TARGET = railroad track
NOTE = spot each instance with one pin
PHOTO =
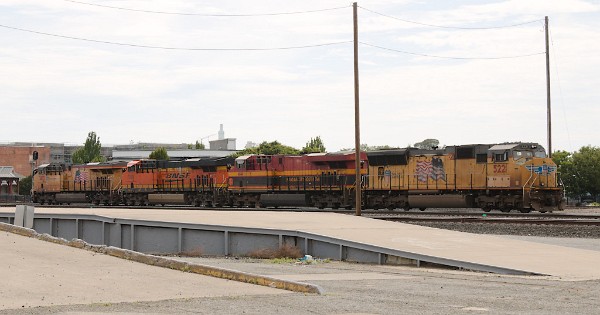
(565, 219)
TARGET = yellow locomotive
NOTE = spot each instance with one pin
(502, 176)
(87, 183)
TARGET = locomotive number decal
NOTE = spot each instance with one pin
(178, 176)
(499, 168)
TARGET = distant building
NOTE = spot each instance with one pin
(128, 155)
(19, 154)
(141, 146)
(222, 143)
(225, 144)
(9, 181)
(20, 158)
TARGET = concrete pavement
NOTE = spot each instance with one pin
(38, 273)
(562, 262)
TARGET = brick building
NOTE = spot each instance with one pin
(20, 158)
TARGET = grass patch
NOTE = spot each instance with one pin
(196, 252)
(285, 251)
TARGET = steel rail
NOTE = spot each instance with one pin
(569, 221)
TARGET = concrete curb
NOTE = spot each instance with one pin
(170, 263)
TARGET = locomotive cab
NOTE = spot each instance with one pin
(526, 167)
(47, 180)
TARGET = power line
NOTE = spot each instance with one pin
(206, 14)
(562, 100)
(447, 57)
(451, 27)
(173, 48)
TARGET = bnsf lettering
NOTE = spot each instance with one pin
(178, 176)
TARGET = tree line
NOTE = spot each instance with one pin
(580, 172)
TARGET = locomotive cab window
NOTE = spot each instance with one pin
(501, 157)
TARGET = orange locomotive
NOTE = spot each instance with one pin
(319, 179)
(192, 182)
(89, 183)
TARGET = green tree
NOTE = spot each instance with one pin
(561, 157)
(159, 154)
(90, 152)
(269, 148)
(580, 171)
(314, 146)
(200, 145)
(365, 147)
(586, 167)
(427, 144)
(25, 185)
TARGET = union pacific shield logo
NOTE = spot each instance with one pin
(541, 169)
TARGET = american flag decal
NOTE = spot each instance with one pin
(433, 169)
(81, 176)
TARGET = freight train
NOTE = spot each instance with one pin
(507, 176)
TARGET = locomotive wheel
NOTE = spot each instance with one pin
(422, 209)
(525, 210)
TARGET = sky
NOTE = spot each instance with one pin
(61, 77)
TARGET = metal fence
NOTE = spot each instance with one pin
(14, 199)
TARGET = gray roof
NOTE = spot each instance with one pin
(507, 146)
(9, 172)
(144, 154)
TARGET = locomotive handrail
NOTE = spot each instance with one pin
(118, 185)
(527, 181)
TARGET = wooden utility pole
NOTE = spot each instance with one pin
(356, 114)
(548, 92)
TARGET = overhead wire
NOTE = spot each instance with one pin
(173, 48)
(562, 101)
(450, 27)
(207, 14)
(273, 48)
(449, 57)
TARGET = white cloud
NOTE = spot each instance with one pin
(66, 88)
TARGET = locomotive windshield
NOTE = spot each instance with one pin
(522, 154)
(518, 151)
